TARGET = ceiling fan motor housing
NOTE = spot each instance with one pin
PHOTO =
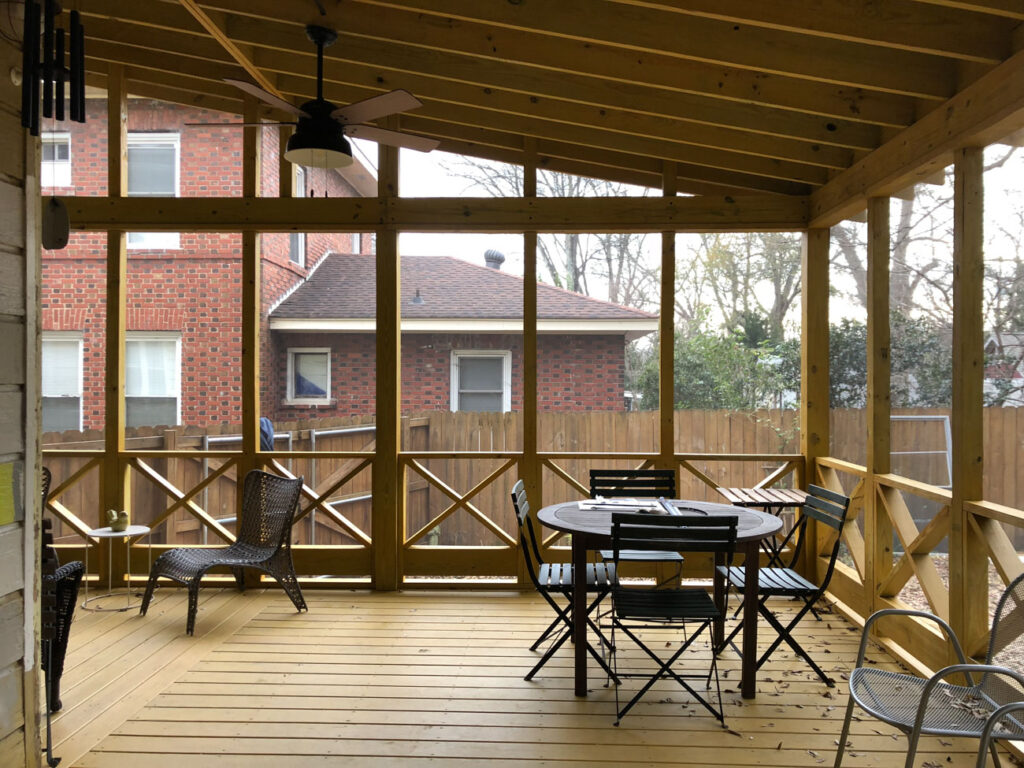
(319, 140)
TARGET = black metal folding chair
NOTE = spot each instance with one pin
(828, 508)
(643, 607)
(556, 579)
(640, 484)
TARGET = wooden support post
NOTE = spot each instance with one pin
(251, 308)
(877, 525)
(115, 483)
(968, 558)
(814, 367)
(530, 470)
(388, 480)
(666, 333)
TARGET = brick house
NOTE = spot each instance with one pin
(184, 310)
(461, 341)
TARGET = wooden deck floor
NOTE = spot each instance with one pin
(417, 678)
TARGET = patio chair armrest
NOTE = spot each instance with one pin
(948, 630)
(993, 720)
(967, 669)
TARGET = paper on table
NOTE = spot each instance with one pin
(645, 505)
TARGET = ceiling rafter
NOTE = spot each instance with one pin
(408, 33)
(900, 24)
(710, 40)
(242, 58)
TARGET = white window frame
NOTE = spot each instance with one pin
(506, 374)
(290, 397)
(56, 173)
(72, 336)
(163, 241)
(298, 190)
(164, 336)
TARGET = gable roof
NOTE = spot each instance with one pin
(457, 296)
(722, 96)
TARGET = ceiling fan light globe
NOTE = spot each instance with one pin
(318, 148)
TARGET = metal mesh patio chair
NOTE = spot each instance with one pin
(989, 707)
(645, 607)
(556, 579)
(640, 484)
(264, 543)
(828, 508)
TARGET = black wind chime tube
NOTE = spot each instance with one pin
(30, 69)
(77, 66)
(61, 75)
(48, 19)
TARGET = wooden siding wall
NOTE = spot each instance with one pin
(18, 257)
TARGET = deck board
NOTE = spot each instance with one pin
(425, 678)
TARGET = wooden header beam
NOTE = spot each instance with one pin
(602, 214)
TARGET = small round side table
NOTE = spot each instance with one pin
(127, 534)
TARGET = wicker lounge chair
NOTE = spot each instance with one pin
(264, 543)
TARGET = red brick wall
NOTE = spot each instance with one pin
(194, 290)
(574, 372)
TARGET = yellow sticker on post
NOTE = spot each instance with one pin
(11, 494)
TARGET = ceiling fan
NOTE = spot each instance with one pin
(319, 139)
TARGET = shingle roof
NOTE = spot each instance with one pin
(344, 286)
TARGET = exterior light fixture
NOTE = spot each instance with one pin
(417, 299)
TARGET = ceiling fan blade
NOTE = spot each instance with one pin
(376, 106)
(392, 138)
(266, 96)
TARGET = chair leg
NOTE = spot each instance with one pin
(785, 635)
(239, 574)
(845, 734)
(193, 604)
(150, 586)
(548, 654)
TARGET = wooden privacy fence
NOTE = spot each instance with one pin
(431, 481)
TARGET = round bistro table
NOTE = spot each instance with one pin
(591, 530)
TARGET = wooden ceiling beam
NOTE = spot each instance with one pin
(900, 24)
(409, 33)
(214, 26)
(821, 150)
(1009, 9)
(715, 41)
(986, 111)
(593, 214)
(744, 183)
(590, 140)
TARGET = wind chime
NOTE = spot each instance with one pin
(48, 78)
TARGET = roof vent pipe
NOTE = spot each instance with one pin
(494, 259)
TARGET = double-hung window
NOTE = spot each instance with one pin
(309, 375)
(153, 160)
(297, 240)
(481, 380)
(55, 170)
(62, 381)
(152, 374)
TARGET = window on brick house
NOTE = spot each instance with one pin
(309, 375)
(153, 172)
(56, 160)
(62, 382)
(152, 373)
(481, 381)
(297, 240)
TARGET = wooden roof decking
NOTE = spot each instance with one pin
(402, 679)
(836, 99)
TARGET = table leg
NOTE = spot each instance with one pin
(750, 597)
(579, 612)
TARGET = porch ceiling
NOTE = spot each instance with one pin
(729, 96)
